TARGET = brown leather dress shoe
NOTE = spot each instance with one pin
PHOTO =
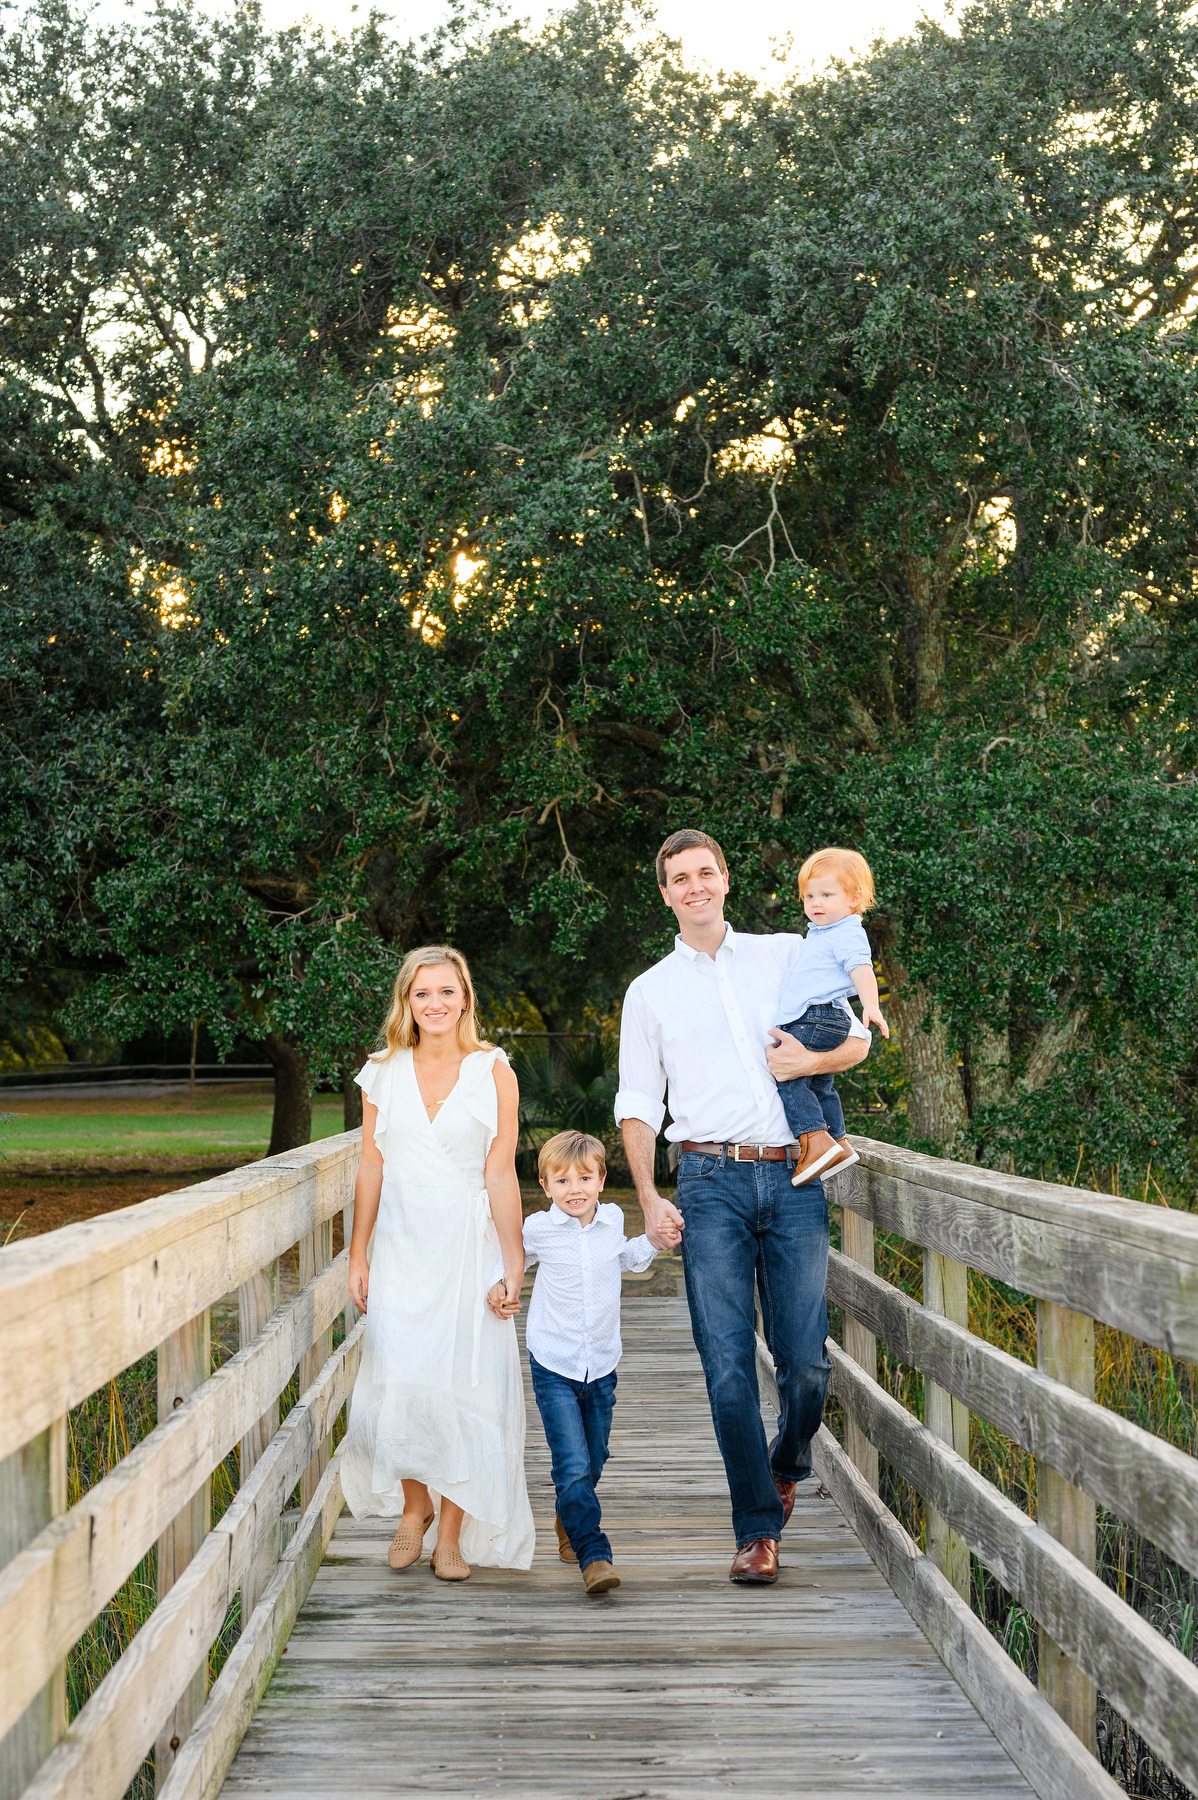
(600, 1578)
(564, 1548)
(756, 1563)
(786, 1493)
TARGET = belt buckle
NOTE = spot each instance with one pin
(736, 1152)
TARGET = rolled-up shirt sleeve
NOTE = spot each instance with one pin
(636, 1254)
(642, 1089)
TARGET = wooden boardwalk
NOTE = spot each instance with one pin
(678, 1685)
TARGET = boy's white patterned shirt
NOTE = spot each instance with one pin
(574, 1313)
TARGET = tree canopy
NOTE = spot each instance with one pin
(434, 473)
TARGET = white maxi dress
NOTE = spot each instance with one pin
(439, 1396)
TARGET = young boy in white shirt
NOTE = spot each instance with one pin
(573, 1336)
(836, 887)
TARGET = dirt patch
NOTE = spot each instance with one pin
(33, 1203)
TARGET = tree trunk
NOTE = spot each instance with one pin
(989, 1064)
(936, 1103)
(292, 1121)
(351, 1095)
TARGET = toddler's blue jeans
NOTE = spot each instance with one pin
(811, 1102)
(577, 1420)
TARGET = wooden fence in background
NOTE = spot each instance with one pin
(1083, 1256)
(78, 1307)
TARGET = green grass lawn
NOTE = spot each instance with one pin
(206, 1123)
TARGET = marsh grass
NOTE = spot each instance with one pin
(100, 1433)
(1156, 1391)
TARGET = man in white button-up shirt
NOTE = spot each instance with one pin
(699, 1025)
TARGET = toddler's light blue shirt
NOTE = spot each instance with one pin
(821, 971)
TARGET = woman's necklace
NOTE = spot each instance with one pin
(434, 1102)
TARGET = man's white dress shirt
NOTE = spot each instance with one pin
(574, 1313)
(698, 1027)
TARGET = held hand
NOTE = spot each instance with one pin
(359, 1284)
(788, 1058)
(872, 1015)
(504, 1299)
(664, 1224)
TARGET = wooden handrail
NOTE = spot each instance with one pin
(79, 1306)
(1082, 1256)
(98, 1295)
(1130, 1265)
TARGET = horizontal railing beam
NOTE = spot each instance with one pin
(1133, 1473)
(1131, 1265)
(79, 1305)
(1149, 1681)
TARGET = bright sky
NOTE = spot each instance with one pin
(733, 34)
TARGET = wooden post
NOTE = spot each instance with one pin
(352, 1314)
(256, 1300)
(1065, 1350)
(33, 1490)
(857, 1242)
(315, 1254)
(946, 1291)
(184, 1364)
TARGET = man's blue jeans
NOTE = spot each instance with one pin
(577, 1420)
(746, 1225)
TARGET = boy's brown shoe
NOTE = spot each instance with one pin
(600, 1578)
(564, 1549)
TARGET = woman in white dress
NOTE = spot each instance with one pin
(436, 1423)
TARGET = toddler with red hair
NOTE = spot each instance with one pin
(836, 887)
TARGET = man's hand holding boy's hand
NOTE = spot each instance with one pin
(504, 1304)
(872, 1015)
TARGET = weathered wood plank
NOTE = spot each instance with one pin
(1065, 1353)
(1131, 1265)
(184, 1364)
(857, 1243)
(946, 1292)
(33, 1491)
(1150, 1483)
(105, 1744)
(204, 1761)
(79, 1305)
(315, 1251)
(53, 1589)
(256, 1301)
(1146, 1678)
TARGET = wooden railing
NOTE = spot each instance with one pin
(1083, 1256)
(77, 1308)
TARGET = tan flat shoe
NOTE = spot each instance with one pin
(449, 1565)
(407, 1544)
(564, 1548)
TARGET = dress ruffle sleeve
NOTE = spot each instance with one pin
(476, 1085)
(376, 1080)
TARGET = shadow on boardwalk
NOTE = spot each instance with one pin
(678, 1685)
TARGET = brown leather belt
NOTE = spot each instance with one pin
(746, 1152)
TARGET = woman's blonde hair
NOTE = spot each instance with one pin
(400, 1030)
(855, 874)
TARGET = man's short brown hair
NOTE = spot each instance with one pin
(678, 841)
(571, 1150)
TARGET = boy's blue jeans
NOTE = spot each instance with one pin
(747, 1227)
(811, 1102)
(577, 1420)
